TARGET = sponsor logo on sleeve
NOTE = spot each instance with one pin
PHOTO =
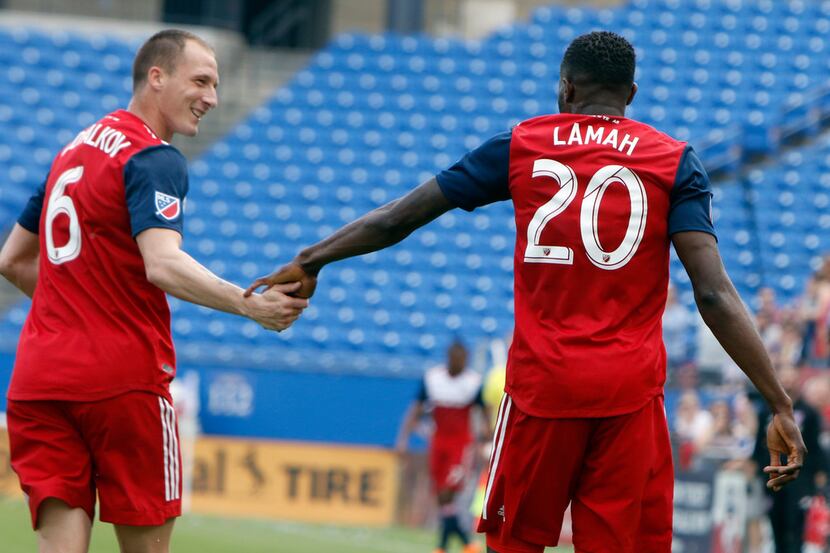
(167, 207)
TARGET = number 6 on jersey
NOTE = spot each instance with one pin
(589, 215)
(61, 204)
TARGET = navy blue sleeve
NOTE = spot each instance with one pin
(155, 182)
(480, 177)
(422, 392)
(30, 218)
(479, 399)
(691, 198)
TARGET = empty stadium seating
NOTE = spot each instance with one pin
(374, 115)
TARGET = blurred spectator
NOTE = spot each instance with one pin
(820, 297)
(789, 504)
(745, 425)
(770, 330)
(809, 307)
(692, 427)
(790, 345)
(767, 305)
(677, 322)
(714, 366)
(732, 433)
(720, 441)
(816, 392)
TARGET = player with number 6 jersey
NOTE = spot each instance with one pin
(599, 198)
(90, 416)
(101, 333)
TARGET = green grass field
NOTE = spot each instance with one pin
(201, 534)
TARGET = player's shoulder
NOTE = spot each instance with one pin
(157, 163)
(659, 136)
(439, 376)
(541, 120)
(159, 154)
(474, 378)
(144, 142)
(434, 372)
(114, 138)
(557, 119)
(444, 389)
(132, 126)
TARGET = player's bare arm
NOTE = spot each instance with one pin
(19, 259)
(724, 313)
(174, 271)
(378, 229)
(485, 416)
(415, 412)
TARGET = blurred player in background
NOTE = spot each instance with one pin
(598, 200)
(449, 393)
(97, 247)
(492, 392)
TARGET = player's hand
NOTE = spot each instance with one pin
(276, 308)
(784, 439)
(293, 272)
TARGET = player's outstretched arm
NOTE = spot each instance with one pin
(19, 259)
(725, 314)
(410, 421)
(378, 229)
(178, 274)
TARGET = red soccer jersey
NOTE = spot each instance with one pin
(97, 328)
(596, 199)
(451, 399)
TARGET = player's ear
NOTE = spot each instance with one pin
(568, 90)
(155, 77)
(631, 94)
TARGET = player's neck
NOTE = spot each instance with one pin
(152, 118)
(598, 108)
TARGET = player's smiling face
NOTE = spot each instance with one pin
(190, 90)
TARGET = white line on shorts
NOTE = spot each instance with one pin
(494, 462)
(165, 442)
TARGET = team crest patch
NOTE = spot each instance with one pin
(168, 207)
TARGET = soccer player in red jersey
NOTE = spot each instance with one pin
(599, 199)
(97, 247)
(449, 394)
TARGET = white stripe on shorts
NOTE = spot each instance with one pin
(177, 467)
(172, 468)
(165, 442)
(498, 441)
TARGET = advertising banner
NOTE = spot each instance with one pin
(294, 481)
(693, 498)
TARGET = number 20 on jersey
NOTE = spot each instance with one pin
(589, 215)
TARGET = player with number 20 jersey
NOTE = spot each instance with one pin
(598, 200)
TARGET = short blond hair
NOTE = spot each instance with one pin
(163, 49)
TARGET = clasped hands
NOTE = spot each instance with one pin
(285, 297)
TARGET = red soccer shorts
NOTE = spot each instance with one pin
(615, 471)
(126, 448)
(450, 462)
